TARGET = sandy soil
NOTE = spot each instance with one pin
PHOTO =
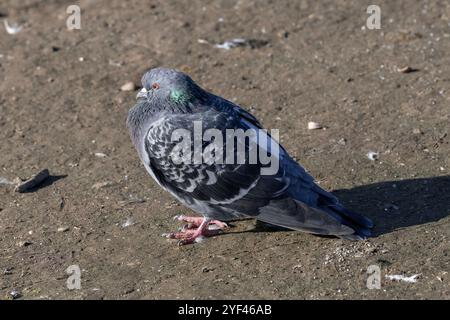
(309, 61)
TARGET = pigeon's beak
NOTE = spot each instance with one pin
(142, 93)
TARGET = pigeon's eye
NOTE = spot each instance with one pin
(155, 86)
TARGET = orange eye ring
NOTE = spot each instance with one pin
(155, 86)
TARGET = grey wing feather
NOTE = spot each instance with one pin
(216, 186)
(289, 198)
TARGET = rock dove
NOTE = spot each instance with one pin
(221, 191)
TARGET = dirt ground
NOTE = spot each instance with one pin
(61, 105)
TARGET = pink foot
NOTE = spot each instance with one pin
(197, 229)
(195, 222)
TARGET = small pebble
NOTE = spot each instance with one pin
(33, 182)
(314, 125)
(206, 269)
(406, 69)
(372, 155)
(128, 222)
(12, 29)
(15, 294)
(129, 86)
(100, 155)
(63, 229)
(7, 271)
(24, 243)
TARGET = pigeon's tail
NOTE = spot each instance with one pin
(326, 217)
(359, 223)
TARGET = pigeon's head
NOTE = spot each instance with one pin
(168, 85)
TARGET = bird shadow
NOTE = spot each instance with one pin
(400, 204)
(393, 205)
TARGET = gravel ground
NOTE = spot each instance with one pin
(62, 108)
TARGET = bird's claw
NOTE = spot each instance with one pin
(178, 217)
(195, 222)
(191, 240)
(195, 230)
(167, 235)
(217, 225)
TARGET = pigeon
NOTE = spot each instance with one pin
(170, 103)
